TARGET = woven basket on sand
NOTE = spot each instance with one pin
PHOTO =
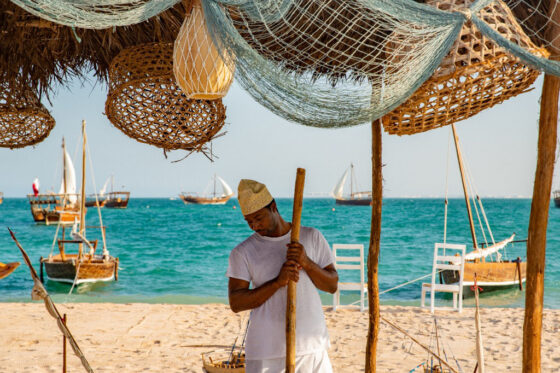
(147, 105)
(476, 74)
(24, 120)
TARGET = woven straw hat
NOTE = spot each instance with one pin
(6, 269)
(252, 196)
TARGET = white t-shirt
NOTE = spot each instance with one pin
(258, 260)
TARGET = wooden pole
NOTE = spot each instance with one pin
(291, 304)
(83, 193)
(374, 242)
(538, 221)
(64, 347)
(479, 345)
(465, 190)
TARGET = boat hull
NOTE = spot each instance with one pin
(117, 200)
(96, 270)
(204, 201)
(496, 275)
(354, 201)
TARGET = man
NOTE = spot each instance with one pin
(268, 260)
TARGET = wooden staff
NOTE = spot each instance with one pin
(374, 246)
(64, 347)
(291, 304)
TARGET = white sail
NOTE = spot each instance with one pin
(70, 180)
(36, 183)
(489, 250)
(226, 188)
(337, 191)
(104, 189)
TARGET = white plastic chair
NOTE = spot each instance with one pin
(446, 262)
(348, 262)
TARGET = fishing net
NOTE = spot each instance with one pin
(24, 120)
(95, 14)
(334, 63)
(475, 75)
(199, 70)
(146, 104)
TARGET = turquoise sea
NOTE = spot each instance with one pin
(175, 253)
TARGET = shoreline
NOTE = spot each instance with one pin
(136, 337)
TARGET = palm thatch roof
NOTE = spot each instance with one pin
(40, 53)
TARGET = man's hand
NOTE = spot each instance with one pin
(296, 253)
(288, 272)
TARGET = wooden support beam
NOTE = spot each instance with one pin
(374, 245)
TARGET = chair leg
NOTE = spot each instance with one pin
(454, 300)
(423, 297)
(362, 307)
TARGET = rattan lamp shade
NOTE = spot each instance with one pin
(199, 70)
(147, 105)
(476, 74)
(24, 120)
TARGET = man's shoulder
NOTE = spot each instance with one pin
(245, 244)
(310, 231)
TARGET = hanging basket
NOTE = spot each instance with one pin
(199, 69)
(476, 74)
(24, 120)
(147, 105)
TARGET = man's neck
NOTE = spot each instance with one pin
(282, 228)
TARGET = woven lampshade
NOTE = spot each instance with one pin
(199, 70)
(476, 74)
(147, 105)
(24, 120)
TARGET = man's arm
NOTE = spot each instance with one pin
(325, 279)
(241, 298)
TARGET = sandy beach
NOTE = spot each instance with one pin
(170, 338)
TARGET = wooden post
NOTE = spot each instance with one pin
(479, 345)
(374, 242)
(291, 304)
(41, 270)
(518, 260)
(64, 347)
(536, 238)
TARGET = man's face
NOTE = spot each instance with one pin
(263, 221)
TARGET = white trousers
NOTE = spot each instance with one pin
(312, 363)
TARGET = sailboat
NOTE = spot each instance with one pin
(86, 265)
(354, 198)
(485, 261)
(99, 198)
(210, 199)
(116, 199)
(53, 208)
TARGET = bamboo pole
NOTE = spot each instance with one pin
(536, 238)
(463, 179)
(374, 242)
(83, 193)
(291, 303)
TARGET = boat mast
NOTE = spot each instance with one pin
(83, 194)
(351, 180)
(64, 166)
(467, 202)
(214, 195)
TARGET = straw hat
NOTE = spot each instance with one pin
(6, 269)
(252, 196)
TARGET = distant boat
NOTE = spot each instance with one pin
(354, 198)
(92, 201)
(63, 207)
(210, 199)
(116, 199)
(556, 196)
(85, 266)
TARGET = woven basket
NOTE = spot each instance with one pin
(147, 105)
(476, 74)
(24, 120)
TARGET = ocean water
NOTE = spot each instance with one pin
(175, 253)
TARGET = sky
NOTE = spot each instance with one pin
(499, 146)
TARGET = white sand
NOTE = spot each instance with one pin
(160, 338)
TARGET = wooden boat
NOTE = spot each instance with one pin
(493, 274)
(7, 268)
(117, 200)
(556, 197)
(63, 207)
(234, 364)
(354, 198)
(98, 198)
(86, 265)
(210, 199)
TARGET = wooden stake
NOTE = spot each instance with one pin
(538, 221)
(374, 242)
(479, 345)
(64, 347)
(291, 305)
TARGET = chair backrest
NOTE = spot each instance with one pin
(349, 257)
(444, 261)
